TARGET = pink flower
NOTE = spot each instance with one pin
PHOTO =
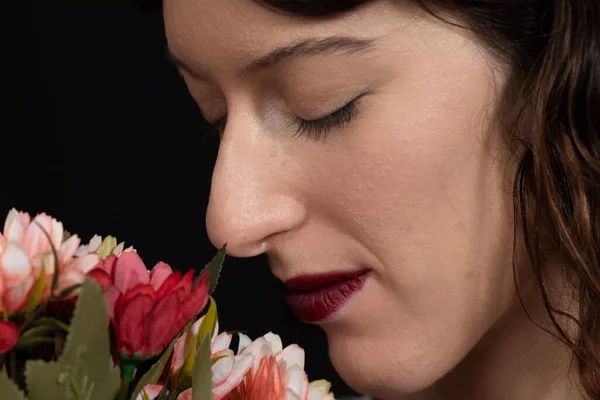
(148, 309)
(261, 370)
(107, 250)
(277, 373)
(228, 370)
(25, 250)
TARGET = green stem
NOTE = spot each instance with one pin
(127, 374)
(124, 392)
(127, 370)
(13, 364)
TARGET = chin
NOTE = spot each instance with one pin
(369, 366)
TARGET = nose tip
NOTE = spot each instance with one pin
(248, 226)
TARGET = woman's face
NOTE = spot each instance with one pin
(408, 181)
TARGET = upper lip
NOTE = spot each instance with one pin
(314, 282)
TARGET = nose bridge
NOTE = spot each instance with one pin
(250, 200)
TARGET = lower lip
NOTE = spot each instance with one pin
(318, 305)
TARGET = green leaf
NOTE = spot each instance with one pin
(85, 369)
(9, 389)
(202, 374)
(214, 268)
(209, 322)
(30, 342)
(107, 247)
(38, 331)
(52, 322)
(43, 327)
(164, 394)
(35, 296)
(184, 380)
(152, 376)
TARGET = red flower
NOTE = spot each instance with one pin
(149, 308)
(9, 335)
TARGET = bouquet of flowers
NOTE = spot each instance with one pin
(92, 322)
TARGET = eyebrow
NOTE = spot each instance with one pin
(305, 48)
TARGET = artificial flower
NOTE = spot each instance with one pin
(26, 248)
(104, 247)
(153, 391)
(277, 373)
(228, 369)
(9, 335)
(108, 252)
(147, 309)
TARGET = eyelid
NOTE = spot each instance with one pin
(317, 129)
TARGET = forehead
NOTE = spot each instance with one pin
(226, 34)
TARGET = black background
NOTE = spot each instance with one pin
(100, 132)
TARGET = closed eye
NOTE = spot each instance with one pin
(314, 129)
(319, 128)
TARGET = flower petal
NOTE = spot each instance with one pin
(100, 276)
(179, 353)
(112, 296)
(221, 342)
(95, 242)
(221, 370)
(56, 233)
(159, 274)
(185, 395)
(296, 381)
(244, 342)
(118, 249)
(14, 265)
(193, 303)
(68, 278)
(289, 395)
(131, 324)
(260, 349)
(170, 283)
(290, 356)
(234, 374)
(109, 265)
(319, 390)
(275, 342)
(161, 324)
(83, 264)
(69, 247)
(15, 224)
(15, 297)
(130, 271)
(9, 335)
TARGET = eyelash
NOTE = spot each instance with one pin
(317, 129)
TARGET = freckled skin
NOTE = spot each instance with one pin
(416, 187)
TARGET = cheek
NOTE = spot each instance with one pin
(420, 185)
(419, 161)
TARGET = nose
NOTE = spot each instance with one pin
(252, 199)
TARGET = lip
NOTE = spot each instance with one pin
(314, 298)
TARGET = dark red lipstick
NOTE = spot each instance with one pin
(315, 297)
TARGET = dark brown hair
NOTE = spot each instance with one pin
(554, 49)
